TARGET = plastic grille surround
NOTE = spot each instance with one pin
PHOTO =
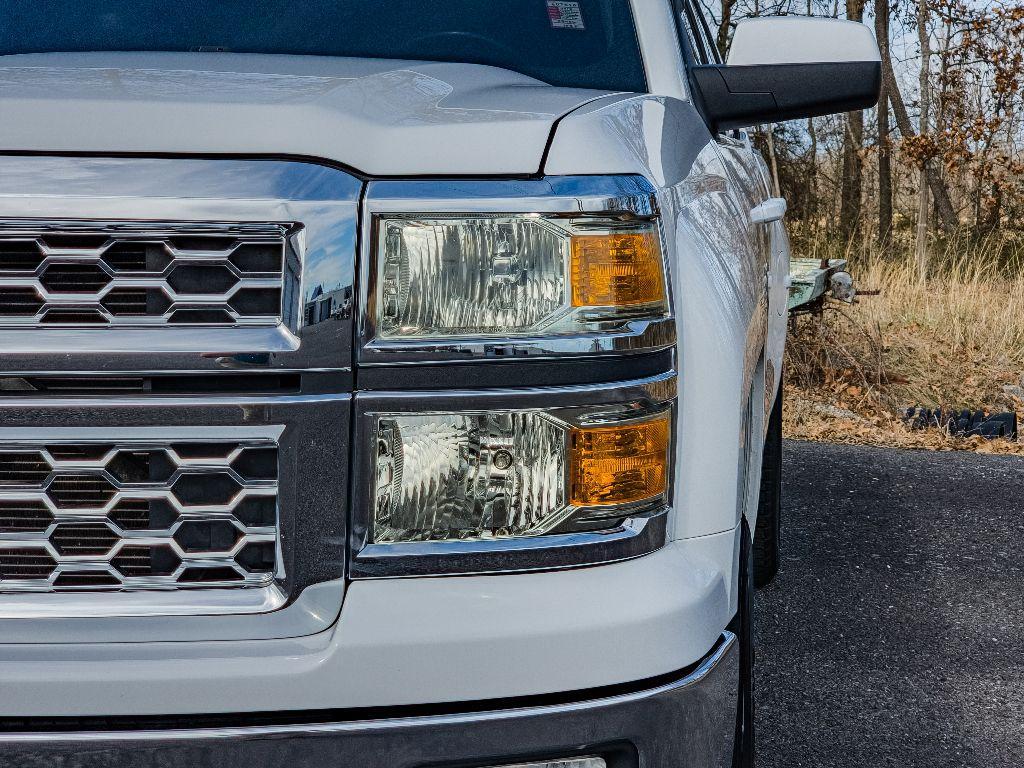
(113, 274)
(131, 515)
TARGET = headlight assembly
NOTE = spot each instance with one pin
(465, 469)
(491, 475)
(512, 276)
(491, 488)
(485, 270)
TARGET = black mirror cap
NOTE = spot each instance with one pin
(741, 96)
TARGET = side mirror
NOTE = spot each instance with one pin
(790, 67)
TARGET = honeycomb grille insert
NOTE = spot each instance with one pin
(133, 515)
(226, 276)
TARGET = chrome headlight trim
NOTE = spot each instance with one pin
(634, 537)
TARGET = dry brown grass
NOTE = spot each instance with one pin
(954, 341)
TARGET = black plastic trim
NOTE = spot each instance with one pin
(515, 372)
(130, 384)
(741, 96)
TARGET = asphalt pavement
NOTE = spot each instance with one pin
(894, 634)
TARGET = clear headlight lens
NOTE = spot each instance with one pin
(514, 275)
(486, 475)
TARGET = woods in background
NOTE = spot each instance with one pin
(942, 154)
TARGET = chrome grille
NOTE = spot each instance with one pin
(135, 514)
(116, 273)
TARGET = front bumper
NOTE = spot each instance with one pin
(688, 722)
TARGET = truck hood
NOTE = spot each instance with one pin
(380, 117)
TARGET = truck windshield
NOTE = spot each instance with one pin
(576, 43)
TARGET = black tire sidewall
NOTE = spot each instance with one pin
(768, 531)
(744, 747)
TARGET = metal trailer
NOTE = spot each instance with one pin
(810, 280)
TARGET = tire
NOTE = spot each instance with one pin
(744, 751)
(768, 533)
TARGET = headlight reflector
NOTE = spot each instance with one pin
(452, 277)
(468, 475)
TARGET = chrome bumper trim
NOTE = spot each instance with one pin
(688, 721)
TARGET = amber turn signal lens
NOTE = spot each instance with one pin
(621, 269)
(620, 464)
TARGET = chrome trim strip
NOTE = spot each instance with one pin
(51, 340)
(706, 667)
(653, 390)
(138, 401)
(192, 602)
(178, 434)
(137, 372)
(631, 337)
(635, 537)
(564, 195)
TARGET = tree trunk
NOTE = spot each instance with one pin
(853, 146)
(884, 148)
(921, 249)
(722, 39)
(994, 212)
(940, 103)
(812, 177)
(812, 171)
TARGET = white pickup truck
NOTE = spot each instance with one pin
(386, 384)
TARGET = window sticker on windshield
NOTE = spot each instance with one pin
(565, 14)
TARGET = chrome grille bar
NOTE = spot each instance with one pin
(136, 514)
(122, 274)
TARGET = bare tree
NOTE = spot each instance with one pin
(965, 146)
(924, 41)
(725, 20)
(882, 114)
(943, 202)
(853, 147)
